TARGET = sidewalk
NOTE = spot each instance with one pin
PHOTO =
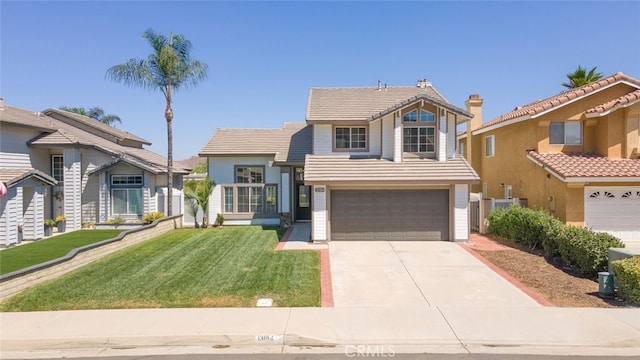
(442, 329)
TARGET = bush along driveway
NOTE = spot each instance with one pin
(215, 267)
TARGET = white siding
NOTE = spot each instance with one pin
(104, 198)
(461, 212)
(285, 193)
(90, 184)
(319, 215)
(14, 151)
(322, 140)
(9, 208)
(451, 135)
(442, 138)
(38, 213)
(387, 137)
(375, 133)
(397, 139)
(28, 212)
(215, 204)
(72, 189)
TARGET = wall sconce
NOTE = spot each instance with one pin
(501, 185)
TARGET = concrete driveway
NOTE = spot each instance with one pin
(410, 273)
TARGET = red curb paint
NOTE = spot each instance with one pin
(326, 288)
(532, 294)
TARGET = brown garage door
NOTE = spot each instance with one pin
(389, 215)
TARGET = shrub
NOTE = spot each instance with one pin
(580, 247)
(151, 217)
(61, 218)
(50, 222)
(116, 220)
(627, 273)
(219, 220)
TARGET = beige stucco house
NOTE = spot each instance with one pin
(575, 154)
(59, 163)
(369, 163)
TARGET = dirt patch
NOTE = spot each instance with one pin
(560, 285)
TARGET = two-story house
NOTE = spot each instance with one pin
(575, 154)
(370, 163)
(60, 163)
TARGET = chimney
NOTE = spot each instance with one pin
(379, 85)
(474, 106)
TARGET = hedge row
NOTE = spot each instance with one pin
(577, 246)
(627, 273)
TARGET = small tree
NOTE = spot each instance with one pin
(198, 192)
(581, 77)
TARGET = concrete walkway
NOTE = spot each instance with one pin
(299, 238)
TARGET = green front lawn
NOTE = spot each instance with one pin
(23, 256)
(215, 267)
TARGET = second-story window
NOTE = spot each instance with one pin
(419, 133)
(565, 133)
(350, 138)
(57, 167)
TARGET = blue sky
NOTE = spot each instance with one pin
(264, 56)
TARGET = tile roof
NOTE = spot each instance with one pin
(12, 176)
(586, 165)
(14, 116)
(362, 170)
(61, 133)
(289, 144)
(369, 103)
(543, 105)
(91, 125)
(624, 100)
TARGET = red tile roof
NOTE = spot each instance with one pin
(586, 165)
(623, 100)
(539, 106)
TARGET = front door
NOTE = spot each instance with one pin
(302, 197)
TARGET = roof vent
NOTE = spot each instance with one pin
(1, 103)
(423, 83)
(379, 85)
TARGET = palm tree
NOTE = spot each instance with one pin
(580, 77)
(198, 192)
(95, 113)
(167, 68)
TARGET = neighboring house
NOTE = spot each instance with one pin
(371, 163)
(60, 163)
(575, 154)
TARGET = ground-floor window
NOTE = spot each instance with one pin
(127, 201)
(250, 199)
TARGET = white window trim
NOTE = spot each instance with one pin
(53, 172)
(416, 126)
(350, 148)
(113, 200)
(564, 141)
(493, 146)
(235, 187)
(136, 183)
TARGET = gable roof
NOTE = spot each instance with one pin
(13, 176)
(95, 127)
(370, 103)
(288, 145)
(57, 133)
(581, 167)
(623, 101)
(539, 107)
